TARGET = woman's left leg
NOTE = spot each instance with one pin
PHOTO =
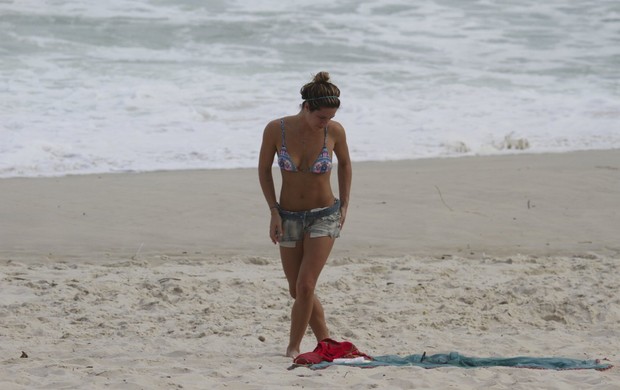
(316, 252)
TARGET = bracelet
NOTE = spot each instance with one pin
(275, 206)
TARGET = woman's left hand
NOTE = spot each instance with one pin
(343, 216)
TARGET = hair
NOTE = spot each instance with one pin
(320, 93)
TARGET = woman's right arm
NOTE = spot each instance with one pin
(265, 177)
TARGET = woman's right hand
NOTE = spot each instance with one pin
(275, 227)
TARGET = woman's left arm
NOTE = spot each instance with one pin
(345, 172)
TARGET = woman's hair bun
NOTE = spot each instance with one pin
(321, 78)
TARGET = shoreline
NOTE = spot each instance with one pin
(514, 153)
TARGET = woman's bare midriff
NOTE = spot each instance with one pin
(303, 191)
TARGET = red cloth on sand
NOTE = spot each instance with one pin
(328, 350)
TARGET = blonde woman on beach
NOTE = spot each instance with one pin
(308, 217)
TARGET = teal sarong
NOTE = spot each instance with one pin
(455, 359)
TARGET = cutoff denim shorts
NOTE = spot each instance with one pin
(321, 222)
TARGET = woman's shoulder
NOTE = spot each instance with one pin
(278, 122)
(335, 124)
(273, 125)
(335, 128)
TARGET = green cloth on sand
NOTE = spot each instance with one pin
(455, 359)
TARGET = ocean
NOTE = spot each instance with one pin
(144, 85)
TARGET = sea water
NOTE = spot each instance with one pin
(141, 85)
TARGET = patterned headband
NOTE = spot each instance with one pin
(322, 97)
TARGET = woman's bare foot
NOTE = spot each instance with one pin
(292, 353)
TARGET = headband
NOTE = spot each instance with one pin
(322, 97)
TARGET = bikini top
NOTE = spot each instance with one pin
(322, 164)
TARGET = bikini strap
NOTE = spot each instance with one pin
(325, 138)
(283, 136)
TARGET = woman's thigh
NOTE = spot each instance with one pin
(291, 263)
(305, 261)
(315, 254)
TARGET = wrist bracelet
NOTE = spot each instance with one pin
(275, 206)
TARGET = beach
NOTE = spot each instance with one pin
(168, 279)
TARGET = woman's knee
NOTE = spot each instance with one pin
(292, 290)
(304, 289)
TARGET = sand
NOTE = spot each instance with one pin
(168, 280)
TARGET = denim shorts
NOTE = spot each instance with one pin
(321, 222)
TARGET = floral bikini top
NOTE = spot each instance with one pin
(322, 164)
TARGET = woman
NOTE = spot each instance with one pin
(308, 217)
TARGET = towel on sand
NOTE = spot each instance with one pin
(455, 359)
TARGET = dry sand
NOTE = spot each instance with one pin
(168, 280)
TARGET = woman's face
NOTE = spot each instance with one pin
(318, 119)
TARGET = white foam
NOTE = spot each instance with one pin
(139, 86)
